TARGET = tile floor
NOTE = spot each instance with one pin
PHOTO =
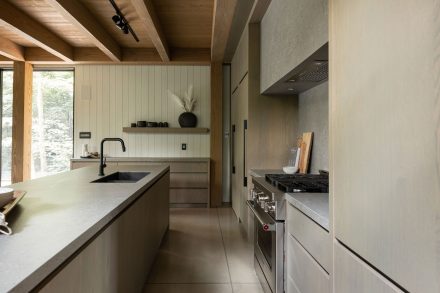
(204, 252)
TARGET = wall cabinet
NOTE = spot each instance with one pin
(270, 122)
(354, 275)
(385, 132)
(189, 180)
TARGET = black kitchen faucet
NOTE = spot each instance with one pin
(102, 164)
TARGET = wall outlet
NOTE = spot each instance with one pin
(183, 146)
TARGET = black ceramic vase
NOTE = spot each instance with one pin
(187, 119)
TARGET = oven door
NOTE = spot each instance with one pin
(268, 249)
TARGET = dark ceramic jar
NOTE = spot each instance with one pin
(187, 119)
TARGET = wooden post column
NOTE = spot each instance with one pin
(22, 122)
(216, 133)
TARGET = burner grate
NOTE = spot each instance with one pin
(312, 183)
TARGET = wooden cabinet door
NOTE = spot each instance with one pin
(239, 106)
(235, 178)
(239, 64)
(385, 133)
(353, 275)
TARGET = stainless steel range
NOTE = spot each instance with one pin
(268, 205)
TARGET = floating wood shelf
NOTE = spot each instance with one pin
(164, 130)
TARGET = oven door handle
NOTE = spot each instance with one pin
(265, 220)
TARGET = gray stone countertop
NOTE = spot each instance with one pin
(145, 159)
(313, 205)
(57, 216)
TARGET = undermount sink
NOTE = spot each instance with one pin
(122, 177)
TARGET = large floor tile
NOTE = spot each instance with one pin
(239, 250)
(247, 288)
(193, 251)
(188, 288)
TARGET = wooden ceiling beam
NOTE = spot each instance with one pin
(150, 21)
(78, 15)
(179, 56)
(221, 26)
(11, 50)
(27, 27)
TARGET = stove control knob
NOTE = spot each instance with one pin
(255, 194)
(266, 207)
(262, 198)
(270, 206)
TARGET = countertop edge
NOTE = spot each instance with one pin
(45, 271)
(309, 212)
(145, 159)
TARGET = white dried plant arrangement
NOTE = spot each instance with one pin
(187, 102)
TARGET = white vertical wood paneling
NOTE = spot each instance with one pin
(124, 94)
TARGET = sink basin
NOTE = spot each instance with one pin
(122, 177)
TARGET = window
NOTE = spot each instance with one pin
(52, 122)
(6, 84)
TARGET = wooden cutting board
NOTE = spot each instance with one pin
(18, 195)
(306, 149)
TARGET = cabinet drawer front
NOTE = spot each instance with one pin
(189, 167)
(312, 237)
(291, 287)
(189, 180)
(353, 275)
(306, 274)
(188, 195)
(180, 167)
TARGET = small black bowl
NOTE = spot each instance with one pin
(133, 124)
(142, 124)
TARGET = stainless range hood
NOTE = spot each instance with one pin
(310, 73)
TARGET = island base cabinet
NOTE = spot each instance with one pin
(120, 257)
(354, 275)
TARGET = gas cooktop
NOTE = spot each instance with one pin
(312, 183)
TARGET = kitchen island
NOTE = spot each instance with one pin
(71, 234)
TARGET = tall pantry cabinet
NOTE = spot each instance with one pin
(263, 127)
(385, 145)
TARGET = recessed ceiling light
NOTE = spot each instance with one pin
(290, 89)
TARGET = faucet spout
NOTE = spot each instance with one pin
(102, 164)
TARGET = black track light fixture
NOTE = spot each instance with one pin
(121, 22)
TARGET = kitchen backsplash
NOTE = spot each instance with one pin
(110, 97)
(313, 110)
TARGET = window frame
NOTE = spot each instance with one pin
(2, 70)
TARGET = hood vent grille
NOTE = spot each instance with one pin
(316, 72)
(306, 75)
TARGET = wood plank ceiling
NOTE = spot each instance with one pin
(82, 31)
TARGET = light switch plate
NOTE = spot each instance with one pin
(87, 135)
